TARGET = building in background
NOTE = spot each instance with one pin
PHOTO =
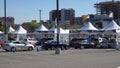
(53, 15)
(66, 16)
(9, 21)
(107, 7)
(99, 21)
(78, 20)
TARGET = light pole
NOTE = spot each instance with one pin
(5, 23)
(40, 15)
(57, 50)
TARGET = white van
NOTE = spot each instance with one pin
(31, 40)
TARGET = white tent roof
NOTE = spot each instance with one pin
(53, 28)
(88, 26)
(42, 28)
(112, 26)
(20, 30)
(62, 31)
(11, 29)
(1, 32)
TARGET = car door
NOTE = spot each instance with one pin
(17, 45)
(23, 46)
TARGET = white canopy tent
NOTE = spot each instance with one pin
(62, 31)
(21, 33)
(88, 26)
(63, 35)
(20, 30)
(40, 32)
(112, 26)
(86, 31)
(109, 30)
(11, 29)
(1, 32)
(113, 30)
(41, 28)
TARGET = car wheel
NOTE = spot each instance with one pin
(30, 49)
(13, 49)
(76, 47)
(67, 47)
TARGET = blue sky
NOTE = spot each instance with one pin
(27, 10)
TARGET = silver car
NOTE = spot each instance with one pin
(17, 45)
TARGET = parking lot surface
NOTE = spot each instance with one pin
(72, 58)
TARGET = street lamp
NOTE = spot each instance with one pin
(40, 15)
(5, 24)
(57, 50)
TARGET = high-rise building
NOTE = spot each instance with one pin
(66, 16)
(53, 15)
(107, 7)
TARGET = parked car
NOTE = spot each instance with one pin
(1, 43)
(42, 41)
(71, 44)
(51, 44)
(17, 45)
(31, 40)
(105, 45)
(79, 43)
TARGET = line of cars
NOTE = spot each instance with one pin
(30, 44)
(93, 43)
(48, 43)
(79, 42)
(25, 45)
(52, 44)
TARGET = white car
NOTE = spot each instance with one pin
(31, 40)
(17, 45)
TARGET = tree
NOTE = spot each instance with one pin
(33, 25)
(50, 26)
(11, 36)
(1, 28)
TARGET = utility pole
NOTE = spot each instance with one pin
(57, 50)
(5, 23)
(40, 15)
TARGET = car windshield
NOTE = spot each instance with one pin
(32, 39)
(51, 41)
(23, 43)
(16, 42)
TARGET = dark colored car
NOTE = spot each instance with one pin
(71, 44)
(105, 45)
(78, 44)
(52, 44)
(38, 43)
(42, 41)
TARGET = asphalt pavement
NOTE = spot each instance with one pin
(72, 58)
